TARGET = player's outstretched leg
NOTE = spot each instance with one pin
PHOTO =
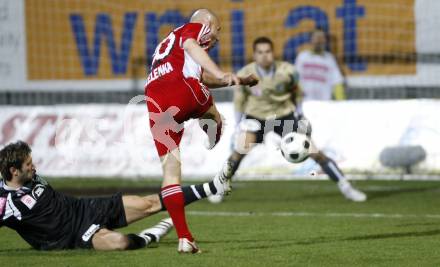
(106, 239)
(191, 194)
(223, 178)
(140, 207)
(331, 169)
(155, 233)
(174, 200)
(196, 192)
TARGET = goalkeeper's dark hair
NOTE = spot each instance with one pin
(262, 40)
(13, 155)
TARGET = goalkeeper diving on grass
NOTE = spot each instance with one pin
(48, 220)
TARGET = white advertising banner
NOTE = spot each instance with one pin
(115, 140)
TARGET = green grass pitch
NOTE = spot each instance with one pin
(280, 223)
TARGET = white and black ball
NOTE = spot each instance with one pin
(295, 147)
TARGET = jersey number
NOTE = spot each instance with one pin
(164, 48)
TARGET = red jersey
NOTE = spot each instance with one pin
(171, 62)
(174, 91)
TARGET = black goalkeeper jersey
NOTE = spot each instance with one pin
(42, 216)
(47, 219)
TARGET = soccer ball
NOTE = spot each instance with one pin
(295, 147)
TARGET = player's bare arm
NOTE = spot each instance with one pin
(210, 81)
(202, 58)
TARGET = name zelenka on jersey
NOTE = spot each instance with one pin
(160, 71)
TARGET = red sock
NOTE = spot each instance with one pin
(174, 201)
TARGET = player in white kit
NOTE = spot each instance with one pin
(319, 74)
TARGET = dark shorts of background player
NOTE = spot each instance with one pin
(95, 214)
(280, 126)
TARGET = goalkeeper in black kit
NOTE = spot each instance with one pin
(48, 220)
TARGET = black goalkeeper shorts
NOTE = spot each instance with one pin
(280, 126)
(94, 214)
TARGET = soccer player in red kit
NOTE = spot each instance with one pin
(176, 91)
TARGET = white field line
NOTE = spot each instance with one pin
(311, 214)
(320, 177)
